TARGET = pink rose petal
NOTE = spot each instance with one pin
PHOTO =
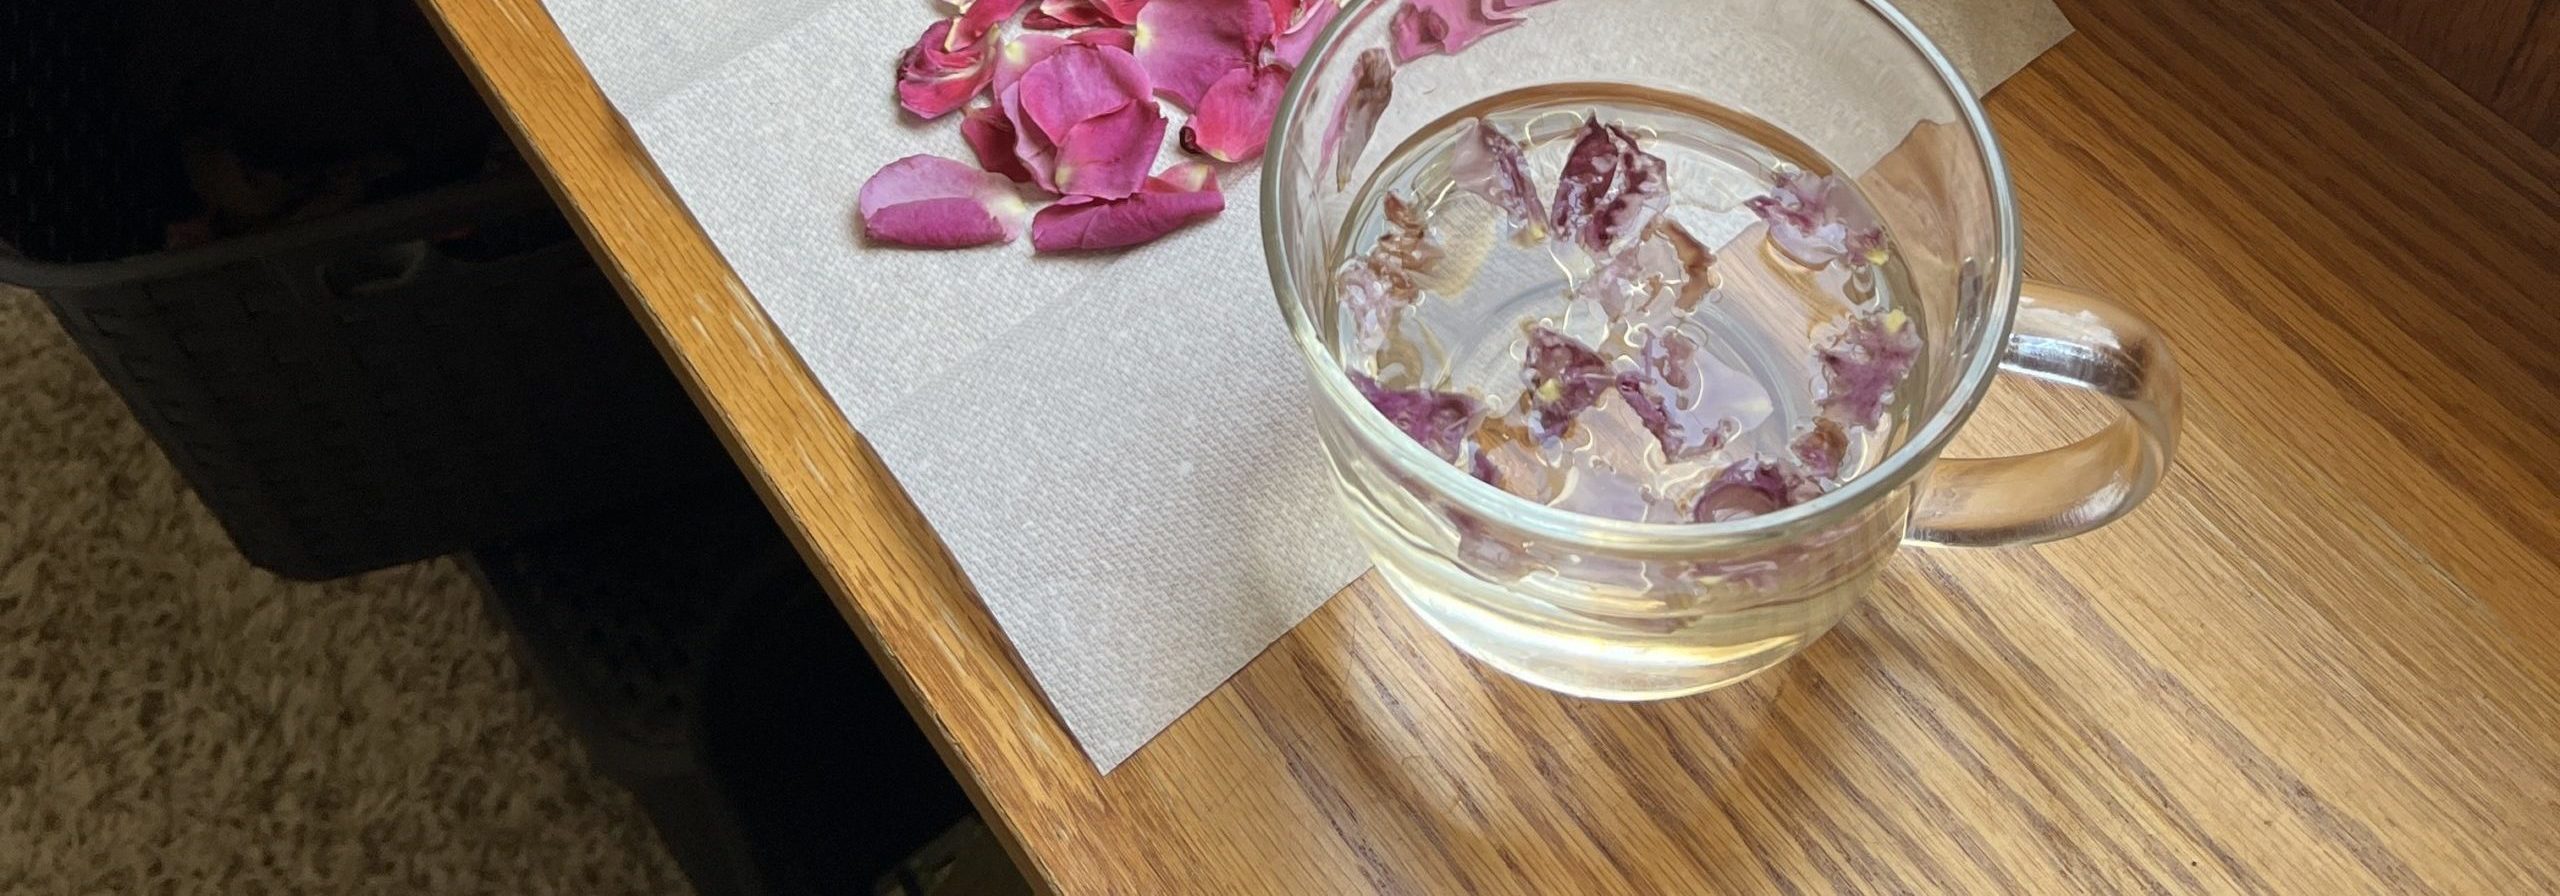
(1423, 27)
(1182, 195)
(1299, 37)
(1080, 83)
(1610, 189)
(936, 203)
(935, 78)
(1488, 163)
(991, 138)
(1373, 86)
(1072, 14)
(1085, 122)
(978, 18)
(1234, 120)
(1187, 45)
(1816, 220)
(1022, 52)
(1442, 422)
(1108, 157)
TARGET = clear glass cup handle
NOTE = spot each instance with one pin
(2075, 339)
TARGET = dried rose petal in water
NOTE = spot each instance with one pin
(1180, 196)
(936, 203)
(935, 77)
(1610, 189)
(1299, 34)
(1085, 123)
(1690, 401)
(1751, 487)
(1374, 288)
(1816, 220)
(1187, 45)
(1697, 262)
(1234, 120)
(1562, 378)
(1488, 163)
(1440, 421)
(1423, 27)
(1372, 88)
(1863, 359)
(1822, 448)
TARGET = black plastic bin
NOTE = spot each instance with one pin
(410, 378)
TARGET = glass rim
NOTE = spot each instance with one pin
(1487, 501)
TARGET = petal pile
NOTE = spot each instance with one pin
(1070, 106)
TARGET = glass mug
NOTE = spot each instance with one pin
(1624, 610)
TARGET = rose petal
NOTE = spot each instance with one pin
(1751, 487)
(1023, 51)
(1610, 189)
(936, 203)
(1299, 36)
(1423, 27)
(1439, 421)
(1187, 45)
(978, 18)
(1072, 14)
(1374, 289)
(1488, 163)
(1182, 195)
(1561, 379)
(1816, 220)
(1077, 83)
(1234, 121)
(1697, 262)
(934, 78)
(1108, 157)
(1372, 88)
(1084, 121)
(1822, 448)
(991, 138)
(1864, 358)
(1690, 401)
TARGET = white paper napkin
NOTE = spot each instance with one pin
(1114, 448)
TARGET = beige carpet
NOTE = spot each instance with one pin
(173, 721)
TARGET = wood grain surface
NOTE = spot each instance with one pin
(2469, 41)
(2529, 95)
(2321, 660)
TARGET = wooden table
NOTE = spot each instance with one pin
(2324, 659)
